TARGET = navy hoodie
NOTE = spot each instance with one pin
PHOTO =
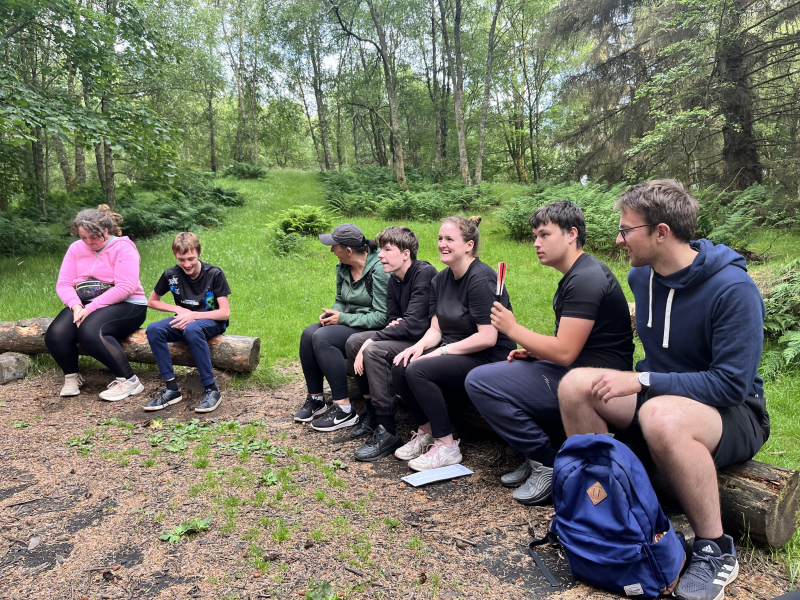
(702, 328)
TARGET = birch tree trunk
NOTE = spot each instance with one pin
(487, 90)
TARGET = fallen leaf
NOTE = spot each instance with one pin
(34, 541)
(156, 424)
(117, 568)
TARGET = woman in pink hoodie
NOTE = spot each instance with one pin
(109, 306)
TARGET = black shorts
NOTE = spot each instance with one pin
(745, 428)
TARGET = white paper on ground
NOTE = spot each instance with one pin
(423, 477)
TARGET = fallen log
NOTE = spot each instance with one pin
(228, 352)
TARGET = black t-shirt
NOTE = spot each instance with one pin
(462, 304)
(589, 290)
(198, 294)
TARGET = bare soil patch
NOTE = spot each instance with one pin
(87, 488)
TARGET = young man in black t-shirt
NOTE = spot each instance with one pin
(519, 397)
(202, 311)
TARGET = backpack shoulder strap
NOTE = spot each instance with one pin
(368, 282)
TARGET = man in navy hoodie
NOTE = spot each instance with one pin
(696, 399)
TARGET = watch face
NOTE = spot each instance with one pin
(644, 379)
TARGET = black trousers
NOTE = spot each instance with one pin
(97, 335)
(322, 354)
(376, 381)
(422, 382)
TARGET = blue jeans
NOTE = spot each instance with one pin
(196, 335)
(519, 399)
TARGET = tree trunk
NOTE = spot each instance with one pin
(63, 162)
(212, 137)
(394, 121)
(311, 126)
(230, 352)
(455, 66)
(80, 161)
(111, 186)
(37, 152)
(487, 90)
(355, 140)
(433, 90)
(742, 164)
(316, 83)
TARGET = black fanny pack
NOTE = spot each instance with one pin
(90, 289)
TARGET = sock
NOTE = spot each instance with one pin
(212, 386)
(319, 398)
(369, 404)
(388, 423)
(172, 385)
(346, 408)
(723, 543)
(133, 379)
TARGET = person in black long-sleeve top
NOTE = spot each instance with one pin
(370, 353)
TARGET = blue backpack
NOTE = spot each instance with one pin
(609, 521)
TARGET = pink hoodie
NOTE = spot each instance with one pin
(117, 263)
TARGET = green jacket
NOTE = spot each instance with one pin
(357, 308)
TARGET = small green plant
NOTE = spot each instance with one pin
(241, 170)
(391, 523)
(186, 528)
(149, 462)
(321, 591)
(200, 463)
(268, 478)
(281, 533)
(21, 425)
(83, 443)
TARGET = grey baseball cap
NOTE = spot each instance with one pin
(345, 234)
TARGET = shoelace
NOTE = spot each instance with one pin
(703, 564)
(114, 383)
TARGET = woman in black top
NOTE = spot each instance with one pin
(460, 338)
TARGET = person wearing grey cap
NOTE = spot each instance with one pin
(360, 305)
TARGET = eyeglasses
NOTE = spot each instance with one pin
(622, 230)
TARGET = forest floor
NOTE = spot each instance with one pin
(87, 489)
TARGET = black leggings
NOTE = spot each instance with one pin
(421, 385)
(322, 354)
(97, 335)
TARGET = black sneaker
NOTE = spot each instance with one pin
(382, 443)
(708, 573)
(366, 425)
(335, 419)
(310, 409)
(209, 402)
(163, 400)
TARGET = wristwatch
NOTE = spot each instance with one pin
(444, 349)
(644, 380)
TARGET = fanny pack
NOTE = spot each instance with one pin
(90, 289)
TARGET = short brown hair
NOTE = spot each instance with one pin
(401, 237)
(96, 220)
(184, 243)
(469, 230)
(663, 201)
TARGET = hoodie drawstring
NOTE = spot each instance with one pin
(667, 315)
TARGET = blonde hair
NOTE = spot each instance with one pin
(184, 243)
(96, 220)
(468, 229)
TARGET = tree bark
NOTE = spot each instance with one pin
(212, 135)
(355, 140)
(456, 69)
(487, 90)
(230, 352)
(63, 163)
(80, 161)
(316, 83)
(37, 153)
(311, 126)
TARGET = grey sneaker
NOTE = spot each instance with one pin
(518, 477)
(709, 572)
(72, 385)
(538, 489)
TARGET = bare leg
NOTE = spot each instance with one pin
(682, 434)
(581, 412)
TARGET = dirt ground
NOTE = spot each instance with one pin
(87, 488)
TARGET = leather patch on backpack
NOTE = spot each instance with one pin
(596, 493)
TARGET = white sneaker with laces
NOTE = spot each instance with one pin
(72, 384)
(416, 446)
(121, 388)
(438, 456)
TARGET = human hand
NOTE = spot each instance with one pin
(409, 355)
(395, 322)
(358, 363)
(79, 313)
(614, 384)
(329, 317)
(183, 319)
(502, 319)
(437, 352)
(518, 354)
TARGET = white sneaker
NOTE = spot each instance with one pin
(121, 388)
(437, 456)
(72, 384)
(415, 447)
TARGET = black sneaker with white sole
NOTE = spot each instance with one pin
(163, 400)
(310, 409)
(209, 401)
(336, 419)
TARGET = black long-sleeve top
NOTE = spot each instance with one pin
(408, 299)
